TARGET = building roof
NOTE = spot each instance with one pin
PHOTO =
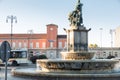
(52, 25)
(34, 36)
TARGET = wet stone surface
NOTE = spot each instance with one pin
(9, 75)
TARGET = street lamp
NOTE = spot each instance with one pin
(111, 33)
(101, 40)
(12, 19)
(101, 36)
(30, 32)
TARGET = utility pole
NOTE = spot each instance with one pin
(12, 19)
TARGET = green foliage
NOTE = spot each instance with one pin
(93, 46)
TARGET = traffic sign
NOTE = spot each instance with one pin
(5, 51)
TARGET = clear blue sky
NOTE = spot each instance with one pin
(36, 14)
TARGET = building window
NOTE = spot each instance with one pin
(65, 44)
(51, 29)
(13, 45)
(25, 45)
(31, 45)
(20, 44)
(116, 55)
(43, 45)
(51, 44)
(60, 45)
(37, 44)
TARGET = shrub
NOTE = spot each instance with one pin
(34, 58)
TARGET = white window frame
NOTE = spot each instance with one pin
(51, 44)
(37, 44)
(14, 45)
(60, 44)
(25, 45)
(43, 45)
(31, 45)
(20, 45)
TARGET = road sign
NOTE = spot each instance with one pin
(5, 51)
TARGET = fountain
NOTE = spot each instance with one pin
(76, 63)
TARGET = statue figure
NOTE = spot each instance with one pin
(75, 17)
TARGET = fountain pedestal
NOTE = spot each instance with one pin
(77, 39)
(83, 55)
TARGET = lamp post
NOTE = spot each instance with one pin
(29, 32)
(111, 33)
(12, 19)
(101, 39)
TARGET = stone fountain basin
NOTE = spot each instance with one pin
(40, 75)
(77, 66)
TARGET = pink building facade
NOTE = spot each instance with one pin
(49, 43)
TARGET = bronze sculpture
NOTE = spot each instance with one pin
(75, 17)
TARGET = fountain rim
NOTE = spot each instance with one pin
(87, 60)
(18, 72)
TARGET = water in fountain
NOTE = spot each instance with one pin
(117, 67)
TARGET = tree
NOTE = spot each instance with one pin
(93, 46)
